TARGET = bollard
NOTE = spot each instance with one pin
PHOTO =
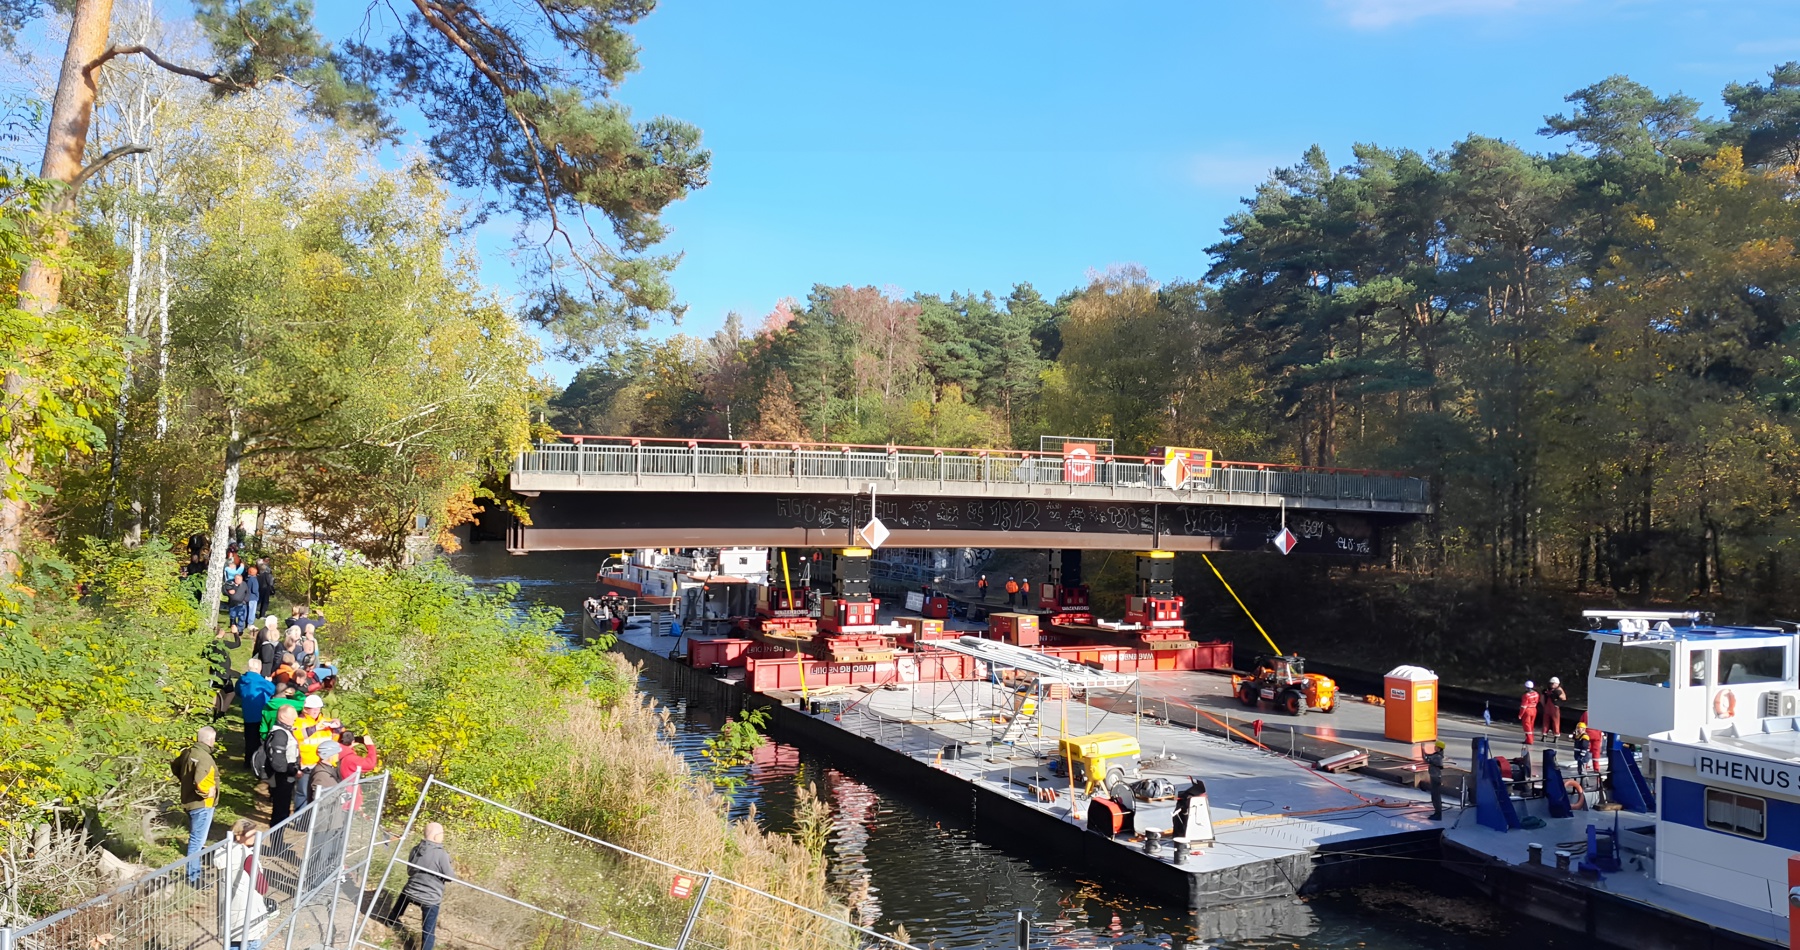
(1534, 853)
(1562, 860)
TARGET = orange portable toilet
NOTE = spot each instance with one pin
(1412, 704)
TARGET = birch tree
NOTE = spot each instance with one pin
(518, 103)
(320, 320)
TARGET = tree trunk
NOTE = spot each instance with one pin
(40, 288)
(223, 520)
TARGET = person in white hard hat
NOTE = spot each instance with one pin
(1528, 709)
(1554, 697)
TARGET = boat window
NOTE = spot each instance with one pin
(1697, 667)
(1646, 664)
(1752, 665)
(1735, 814)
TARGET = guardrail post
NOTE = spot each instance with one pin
(687, 929)
(987, 475)
(940, 465)
(849, 476)
(693, 463)
(637, 461)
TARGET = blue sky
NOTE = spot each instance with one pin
(974, 144)
(971, 145)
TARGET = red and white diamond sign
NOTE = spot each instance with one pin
(1285, 541)
(873, 534)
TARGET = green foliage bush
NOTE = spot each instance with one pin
(452, 680)
(97, 692)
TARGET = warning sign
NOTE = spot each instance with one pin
(1179, 465)
(682, 886)
(1078, 462)
(1285, 541)
(873, 534)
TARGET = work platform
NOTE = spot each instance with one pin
(1280, 827)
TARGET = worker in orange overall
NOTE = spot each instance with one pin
(1528, 709)
(1553, 698)
(1012, 591)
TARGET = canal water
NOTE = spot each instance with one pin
(923, 869)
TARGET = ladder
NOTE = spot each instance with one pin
(1021, 722)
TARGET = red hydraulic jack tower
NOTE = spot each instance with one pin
(847, 617)
(783, 607)
(1153, 604)
(1152, 612)
(1064, 595)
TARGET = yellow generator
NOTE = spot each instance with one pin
(1103, 757)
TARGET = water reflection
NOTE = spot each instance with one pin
(912, 863)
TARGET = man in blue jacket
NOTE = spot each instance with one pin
(254, 692)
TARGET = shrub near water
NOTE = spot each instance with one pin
(459, 683)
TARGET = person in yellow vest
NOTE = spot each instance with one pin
(199, 778)
(313, 728)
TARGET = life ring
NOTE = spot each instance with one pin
(1724, 704)
(1577, 798)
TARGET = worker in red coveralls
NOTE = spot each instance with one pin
(1553, 697)
(1528, 709)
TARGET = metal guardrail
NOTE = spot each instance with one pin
(650, 459)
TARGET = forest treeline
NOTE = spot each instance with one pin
(1589, 350)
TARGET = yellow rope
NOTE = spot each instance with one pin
(1240, 603)
(800, 655)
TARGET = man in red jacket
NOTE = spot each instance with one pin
(359, 755)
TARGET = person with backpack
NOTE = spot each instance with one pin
(199, 778)
(280, 757)
(249, 909)
(254, 691)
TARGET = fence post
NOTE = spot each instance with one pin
(337, 882)
(310, 811)
(687, 929)
(362, 922)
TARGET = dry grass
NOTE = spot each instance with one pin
(621, 784)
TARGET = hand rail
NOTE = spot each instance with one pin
(849, 466)
(577, 439)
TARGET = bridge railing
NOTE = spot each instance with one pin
(659, 458)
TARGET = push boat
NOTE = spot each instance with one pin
(1699, 728)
